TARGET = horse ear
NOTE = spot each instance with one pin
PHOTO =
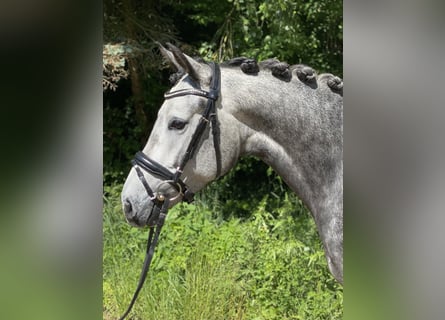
(183, 62)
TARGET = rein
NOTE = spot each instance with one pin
(160, 202)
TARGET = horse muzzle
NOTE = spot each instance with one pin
(142, 207)
(142, 216)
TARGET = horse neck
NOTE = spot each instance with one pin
(291, 127)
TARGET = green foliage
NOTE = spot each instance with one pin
(267, 266)
(121, 138)
(122, 134)
(309, 32)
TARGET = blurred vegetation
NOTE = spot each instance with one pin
(248, 248)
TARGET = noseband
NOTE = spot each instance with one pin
(142, 161)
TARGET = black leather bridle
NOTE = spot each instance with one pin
(142, 162)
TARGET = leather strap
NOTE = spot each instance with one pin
(153, 237)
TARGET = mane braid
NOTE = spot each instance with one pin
(284, 72)
(333, 82)
(247, 65)
(279, 69)
(304, 73)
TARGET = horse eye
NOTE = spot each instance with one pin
(177, 124)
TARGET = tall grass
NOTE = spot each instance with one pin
(266, 266)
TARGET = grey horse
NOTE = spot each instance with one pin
(288, 116)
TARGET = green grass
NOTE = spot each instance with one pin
(269, 265)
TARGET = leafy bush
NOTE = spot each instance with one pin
(269, 265)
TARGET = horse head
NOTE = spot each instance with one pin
(191, 144)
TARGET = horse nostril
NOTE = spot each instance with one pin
(127, 207)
